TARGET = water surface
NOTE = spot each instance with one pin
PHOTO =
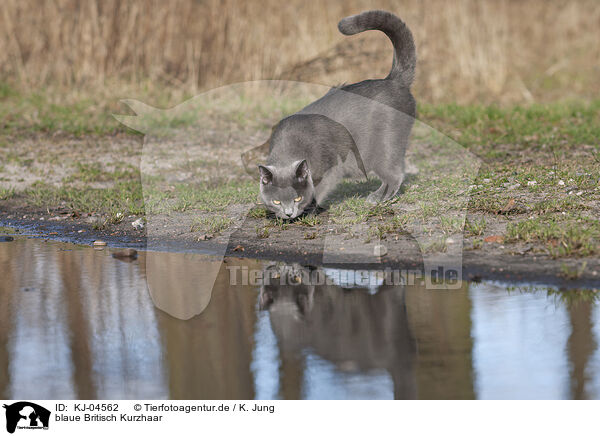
(77, 323)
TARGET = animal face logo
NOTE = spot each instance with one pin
(26, 415)
(193, 182)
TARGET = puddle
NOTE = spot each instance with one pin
(77, 323)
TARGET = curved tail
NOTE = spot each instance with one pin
(405, 56)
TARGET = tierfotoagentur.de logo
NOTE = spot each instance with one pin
(26, 416)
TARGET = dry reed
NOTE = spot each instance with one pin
(469, 51)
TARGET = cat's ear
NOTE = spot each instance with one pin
(266, 175)
(301, 169)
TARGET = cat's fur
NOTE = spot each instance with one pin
(352, 130)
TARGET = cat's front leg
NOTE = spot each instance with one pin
(327, 184)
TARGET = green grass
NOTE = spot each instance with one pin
(451, 225)
(6, 193)
(257, 212)
(527, 126)
(309, 220)
(475, 227)
(436, 246)
(39, 112)
(214, 224)
(80, 112)
(262, 232)
(564, 235)
(123, 197)
(186, 197)
(87, 173)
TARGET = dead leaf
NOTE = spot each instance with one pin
(495, 238)
(510, 205)
(238, 248)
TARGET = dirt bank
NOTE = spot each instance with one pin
(493, 261)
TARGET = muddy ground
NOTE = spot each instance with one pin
(505, 205)
(514, 262)
(484, 256)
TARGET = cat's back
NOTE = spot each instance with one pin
(303, 135)
(314, 137)
(369, 95)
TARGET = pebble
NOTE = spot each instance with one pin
(93, 220)
(380, 250)
(99, 243)
(138, 224)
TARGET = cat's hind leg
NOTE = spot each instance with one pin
(376, 196)
(391, 177)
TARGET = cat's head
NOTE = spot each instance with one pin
(288, 290)
(286, 190)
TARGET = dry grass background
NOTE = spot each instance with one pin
(503, 51)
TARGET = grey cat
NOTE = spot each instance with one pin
(351, 131)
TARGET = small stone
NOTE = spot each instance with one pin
(94, 220)
(205, 237)
(524, 250)
(127, 254)
(561, 183)
(138, 224)
(99, 243)
(380, 250)
(531, 183)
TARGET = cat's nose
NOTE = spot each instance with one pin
(288, 212)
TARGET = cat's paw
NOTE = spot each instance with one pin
(373, 198)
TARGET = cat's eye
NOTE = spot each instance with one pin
(276, 202)
(298, 199)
